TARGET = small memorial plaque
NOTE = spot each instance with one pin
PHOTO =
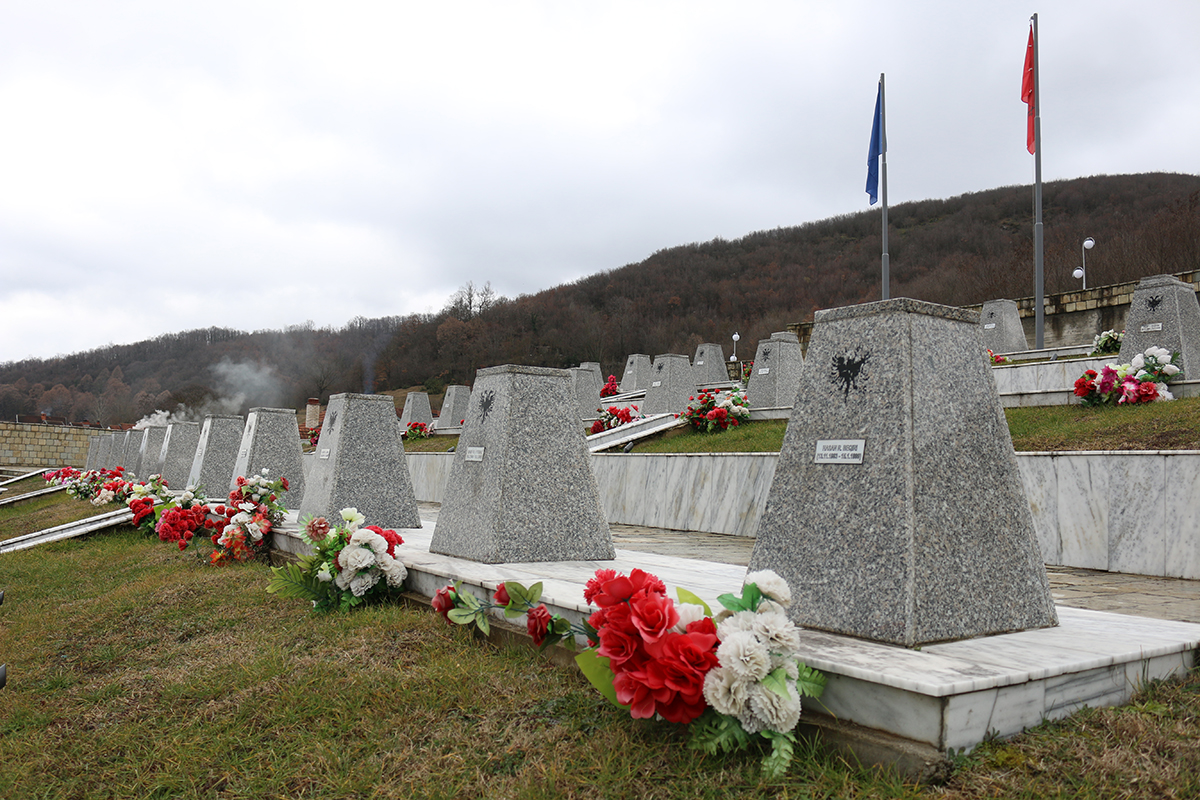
(324, 452)
(765, 371)
(839, 451)
(1153, 326)
(989, 326)
(699, 363)
(656, 384)
(474, 454)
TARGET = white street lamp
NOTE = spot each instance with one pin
(1081, 272)
(735, 341)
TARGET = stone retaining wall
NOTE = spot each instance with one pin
(28, 444)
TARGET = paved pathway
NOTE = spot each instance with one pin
(1140, 595)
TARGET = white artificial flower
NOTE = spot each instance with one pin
(777, 632)
(1171, 369)
(731, 624)
(1138, 361)
(1163, 393)
(779, 713)
(255, 531)
(187, 497)
(725, 692)
(324, 575)
(353, 519)
(771, 585)
(393, 569)
(240, 518)
(266, 471)
(361, 583)
(688, 613)
(249, 508)
(357, 557)
(370, 539)
(745, 656)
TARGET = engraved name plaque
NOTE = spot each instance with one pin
(474, 454)
(839, 451)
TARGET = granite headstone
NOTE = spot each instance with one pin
(897, 512)
(103, 450)
(416, 409)
(149, 451)
(93, 453)
(176, 454)
(1164, 313)
(216, 453)
(454, 406)
(587, 394)
(271, 441)
(359, 462)
(594, 368)
(121, 449)
(709, 364)
(637, 374)
(672, 385)
(1000, 324)
(521, 487)
(775, 376)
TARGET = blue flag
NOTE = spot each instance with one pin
(877, 147)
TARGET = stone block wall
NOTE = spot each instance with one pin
(30, 444)
(1071, 318)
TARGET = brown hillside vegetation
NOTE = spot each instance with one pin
(962, 250)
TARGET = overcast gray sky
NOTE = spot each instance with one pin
(167, 166)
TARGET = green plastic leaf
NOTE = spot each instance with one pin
(811, 683)
(691, 599)
(732, 602)
(461, 616)
(535, 593)
(560, 625)
(512, 613)
(481, 621)
(751, 596)
(777, 682)
(712, 733)
(469, 600)
(595, 668)
(290, 581)
(518, 596)
(775, 764)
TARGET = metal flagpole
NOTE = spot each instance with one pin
(1039, 280)
(883, 193)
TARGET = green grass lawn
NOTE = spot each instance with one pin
(137, 671)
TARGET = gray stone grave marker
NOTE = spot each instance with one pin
(1000, 324)
(216, 454)
(149, 451)
(271, 441)
(454, 406)
(416, 409)
(521, 487)
(176, 454)
(709, 364)
(775, 376)
(594, 368)
(359, 462)
(93, 453)
(587, 394)
(103, 450)
(121, 449)
(637, 374)
(133, 453)
(897, 513)
(1164, 313)
(672, 384)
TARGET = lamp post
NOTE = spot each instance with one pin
(736, 337)
(1081, 272)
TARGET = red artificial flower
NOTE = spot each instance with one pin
(537, 621)
(1147, 392)
(653, 614)
(284, 483)
(620, 647)
(501, 595)
(593, 586)
(1084, 387)
(443, 600)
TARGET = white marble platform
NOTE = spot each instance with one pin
(945, 696)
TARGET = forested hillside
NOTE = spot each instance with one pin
(962, 250)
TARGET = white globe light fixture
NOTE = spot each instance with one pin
(1081, 272)
(736, 338)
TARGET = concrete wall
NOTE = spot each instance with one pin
(1121, 511)
(38, 445)
(1071, 318)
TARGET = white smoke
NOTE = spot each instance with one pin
(237, 385)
